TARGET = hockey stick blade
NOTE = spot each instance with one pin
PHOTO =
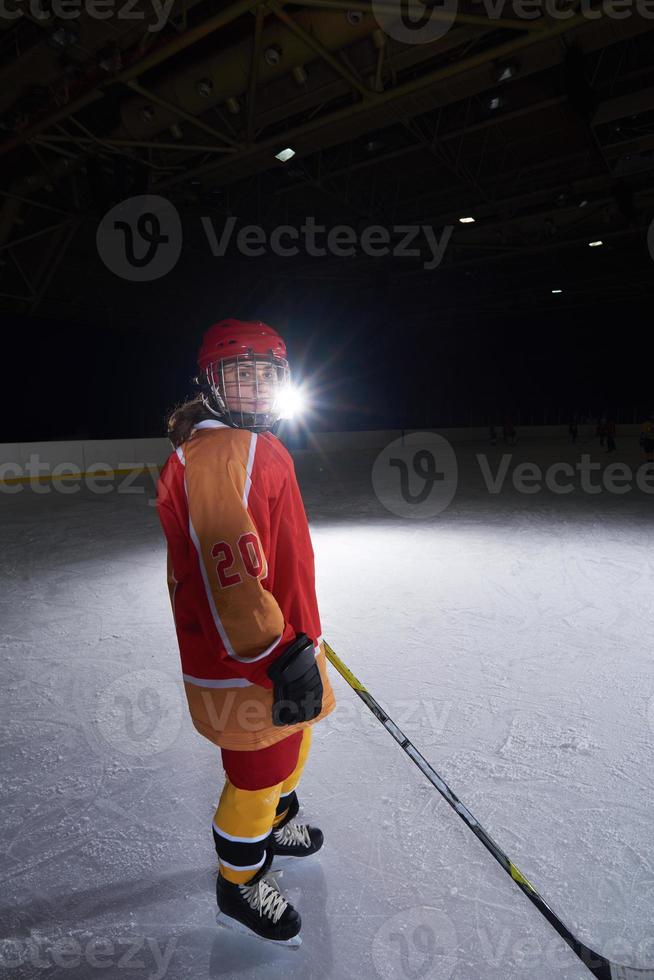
(599, 965)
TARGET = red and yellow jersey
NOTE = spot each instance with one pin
(241, 577)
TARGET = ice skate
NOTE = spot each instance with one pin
(258, 908)
(293, 839)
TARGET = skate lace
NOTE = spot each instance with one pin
(265, 898)
(294, 833)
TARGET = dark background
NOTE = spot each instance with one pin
(546, 138)
(364, 370)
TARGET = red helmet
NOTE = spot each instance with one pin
(254, 402)
(244, 338)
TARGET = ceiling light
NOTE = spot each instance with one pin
(284, 155)
(506, 71)
(273, 54)
(63, 35)
(110, 58)
(557, 291)
(595, 244)
(495, 102)
(204, 87)
(467, 221)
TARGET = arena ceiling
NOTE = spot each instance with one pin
(539, 127)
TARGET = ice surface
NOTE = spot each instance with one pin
(510, 637)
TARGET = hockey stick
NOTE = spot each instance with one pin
(598, 965)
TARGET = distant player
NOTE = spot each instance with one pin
(241, 579)
(509, 433)
(647, 437)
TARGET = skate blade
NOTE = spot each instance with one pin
(283, 862)
(226, 922)
(295, 857)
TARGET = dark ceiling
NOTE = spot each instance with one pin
(542, 129)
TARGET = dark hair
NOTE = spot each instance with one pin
(184, 417)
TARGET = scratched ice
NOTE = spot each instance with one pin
(510, 637)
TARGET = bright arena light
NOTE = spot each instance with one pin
(291, 402)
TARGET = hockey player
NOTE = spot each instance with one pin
(647, 437)
(573, 429)
(241, 580)
(509, 433)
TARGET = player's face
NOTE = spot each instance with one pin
(250, 387)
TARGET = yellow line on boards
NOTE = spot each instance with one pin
(79, 475)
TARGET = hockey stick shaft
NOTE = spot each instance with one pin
(596, 963)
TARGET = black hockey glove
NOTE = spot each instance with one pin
(297, 694)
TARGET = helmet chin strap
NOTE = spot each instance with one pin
(223, 414)
(220, 413)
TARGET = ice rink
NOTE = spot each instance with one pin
(510, 636)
